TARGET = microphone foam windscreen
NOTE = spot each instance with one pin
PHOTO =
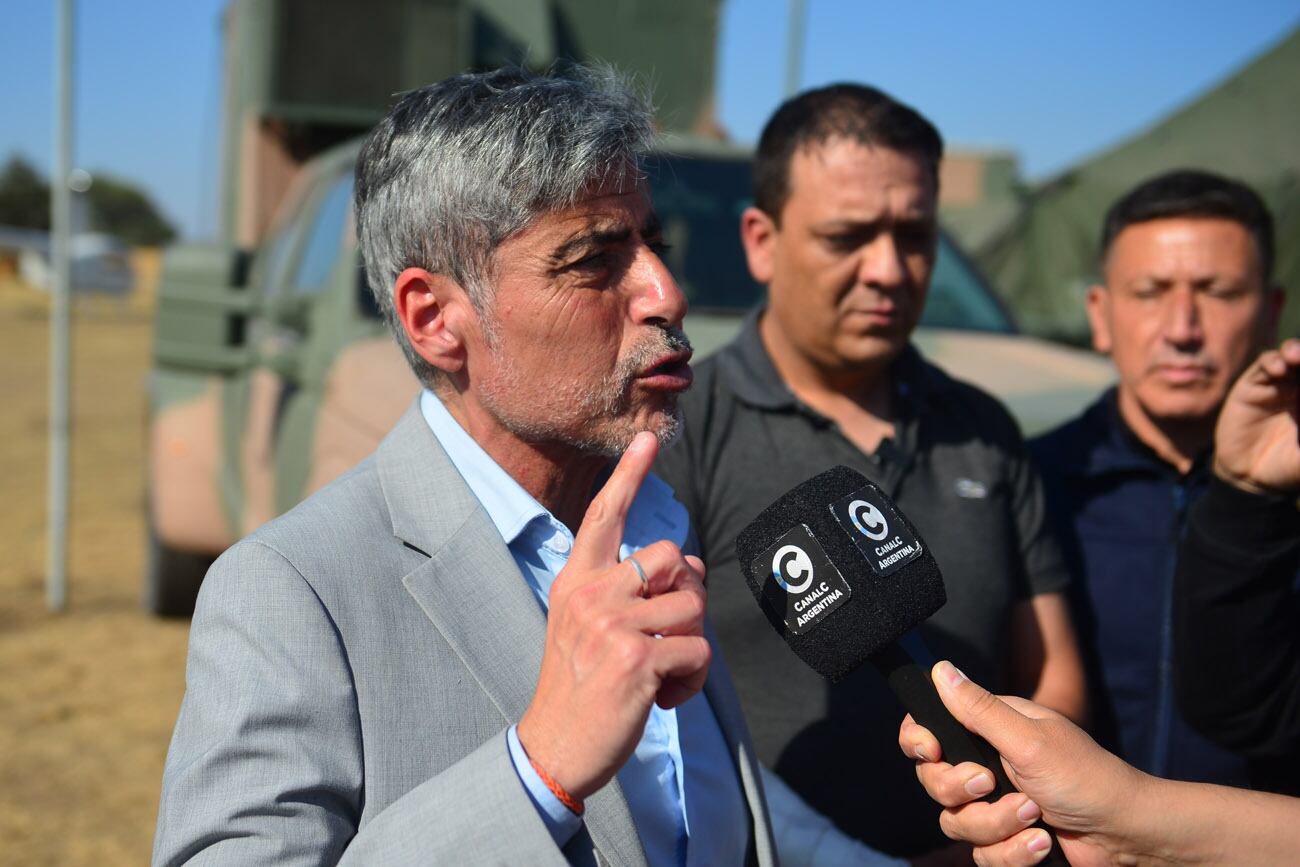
(838, 570)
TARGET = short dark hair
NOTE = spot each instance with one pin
(856, 112)
(1193, 193)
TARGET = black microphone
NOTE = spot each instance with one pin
(843, 576)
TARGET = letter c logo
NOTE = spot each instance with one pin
(793, 561)
(868, 520)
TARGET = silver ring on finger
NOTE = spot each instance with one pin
(640, 573)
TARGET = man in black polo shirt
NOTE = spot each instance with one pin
(843, 233)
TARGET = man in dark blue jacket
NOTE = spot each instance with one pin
(1187, 303)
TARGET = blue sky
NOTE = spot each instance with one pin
(1054, 82)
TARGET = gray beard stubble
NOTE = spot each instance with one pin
(602, 405)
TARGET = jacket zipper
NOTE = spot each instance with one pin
(1164, 689)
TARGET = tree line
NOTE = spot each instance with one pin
(116, 207)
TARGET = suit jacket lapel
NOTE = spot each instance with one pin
(472, 591)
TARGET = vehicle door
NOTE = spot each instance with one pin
(289, 276)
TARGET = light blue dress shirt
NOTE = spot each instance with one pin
(681, 784)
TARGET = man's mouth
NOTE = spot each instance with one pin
(885, 314)
(670, 372)
(1182, 374)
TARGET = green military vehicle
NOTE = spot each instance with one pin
(272, 370)
(273, 376)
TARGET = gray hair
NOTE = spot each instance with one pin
(459, 166)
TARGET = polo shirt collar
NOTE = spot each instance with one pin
(752, 376)
(749, 370)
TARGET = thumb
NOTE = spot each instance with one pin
(982, 712)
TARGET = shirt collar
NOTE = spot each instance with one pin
(749, 370)
(654, 514)
(507, 504)
(752, 376)
(1116, 448)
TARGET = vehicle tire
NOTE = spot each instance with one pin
(172, 578)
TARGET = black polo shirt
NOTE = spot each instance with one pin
(957, 468)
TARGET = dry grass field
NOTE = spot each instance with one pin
(87, 697)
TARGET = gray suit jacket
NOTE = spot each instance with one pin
(353, 667)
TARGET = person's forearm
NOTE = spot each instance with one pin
(1198, 824)
(1065, 695)
(1046, 666)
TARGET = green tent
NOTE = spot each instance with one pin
(1247, 127)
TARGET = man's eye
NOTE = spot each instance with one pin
(1226, 293)
(593, 262)
(660, 248)
(918, 236)
(843, 243)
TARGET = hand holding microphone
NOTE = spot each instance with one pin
(1087, 794)
(1104, 811)
(844, 577)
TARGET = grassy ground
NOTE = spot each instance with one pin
(87, 697)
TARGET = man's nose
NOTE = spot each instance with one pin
(1183, 321)
(656, 297)
(881, 263)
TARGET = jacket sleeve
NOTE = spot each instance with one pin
(1237, 621)
(266, 762)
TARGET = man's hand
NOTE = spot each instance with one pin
(1257, 443)
(1077, 787)
(611, 651)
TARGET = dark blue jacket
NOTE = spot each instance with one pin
(1121, 511)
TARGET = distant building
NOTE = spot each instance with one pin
(980, 193)
(100, 263)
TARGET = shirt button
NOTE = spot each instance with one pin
(560, 543)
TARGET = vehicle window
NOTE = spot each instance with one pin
(699, 201)
(959, 297)
(286, 230)
(275, 253)
(326, 239)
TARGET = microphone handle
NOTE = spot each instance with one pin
(913, 687)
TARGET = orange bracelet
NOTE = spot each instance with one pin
(575, 806)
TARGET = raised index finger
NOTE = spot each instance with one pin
(596, 543)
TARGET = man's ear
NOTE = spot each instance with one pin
(1099, 318)
(433, 311)
(758, 236)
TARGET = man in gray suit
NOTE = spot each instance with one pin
(484, 644)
